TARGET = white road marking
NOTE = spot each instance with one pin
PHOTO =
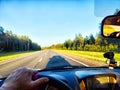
(76, 61)
(40, 59)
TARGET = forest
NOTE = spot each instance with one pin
(12, 42)
(89, 43)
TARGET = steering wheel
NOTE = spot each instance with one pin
(53, 84)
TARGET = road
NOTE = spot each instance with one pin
(37, 60)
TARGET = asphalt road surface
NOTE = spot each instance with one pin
(37, 60)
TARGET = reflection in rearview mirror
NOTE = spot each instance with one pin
(111, 26)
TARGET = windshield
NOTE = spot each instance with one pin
(54, 33)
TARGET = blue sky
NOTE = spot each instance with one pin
(49, 22)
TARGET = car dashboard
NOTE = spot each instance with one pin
(84, 79)
(100, 78)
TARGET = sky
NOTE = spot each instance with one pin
(48, 22)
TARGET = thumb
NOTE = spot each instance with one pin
(40, 81)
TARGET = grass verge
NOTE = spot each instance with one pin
(10, 55)
(98, 56)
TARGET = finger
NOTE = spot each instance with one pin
(33, 71)
(39, 81)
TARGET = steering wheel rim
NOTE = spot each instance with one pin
(56, 83)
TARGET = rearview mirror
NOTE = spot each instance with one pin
(111, 26)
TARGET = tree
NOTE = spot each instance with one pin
(100, 40)
(91, 39)
(2, 39)
(68, 44)
(78, 42)
(1, 31)
(86, 40)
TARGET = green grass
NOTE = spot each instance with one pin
(90, 55)
(10, 55)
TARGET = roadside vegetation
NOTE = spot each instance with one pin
(98, 56)
(89, 43)
(12, 42)
(12, 55)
